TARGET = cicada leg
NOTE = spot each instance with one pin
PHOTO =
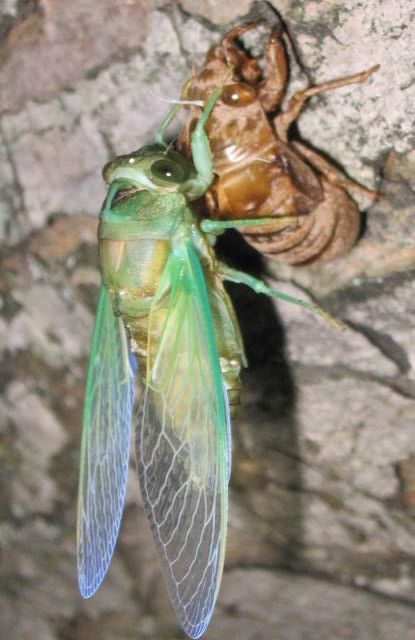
(201, 155)
(296, 104)
(218, 226)
(272, 87)
(233, 275)
(161, 131)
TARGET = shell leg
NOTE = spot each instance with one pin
(272, 88)
(297, 103)
(330, 172)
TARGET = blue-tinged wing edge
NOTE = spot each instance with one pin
(105, 446)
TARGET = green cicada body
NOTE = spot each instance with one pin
(163, 303)
(157, 229)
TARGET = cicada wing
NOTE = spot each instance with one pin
(182, 442)
(105, 446)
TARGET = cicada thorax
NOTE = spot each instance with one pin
(258, 174)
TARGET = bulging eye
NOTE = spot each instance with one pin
(238, 94)
(167, 171)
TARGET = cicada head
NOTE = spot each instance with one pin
(151, 168)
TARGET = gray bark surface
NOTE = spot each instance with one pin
(322, 532)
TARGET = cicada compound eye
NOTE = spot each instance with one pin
(166, 171)
(238, 94)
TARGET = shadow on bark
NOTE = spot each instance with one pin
(266, 466)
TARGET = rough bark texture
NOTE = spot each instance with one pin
(321, 535)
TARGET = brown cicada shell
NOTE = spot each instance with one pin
(259, 171)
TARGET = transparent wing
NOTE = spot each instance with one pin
(183, 442)
(105, 446)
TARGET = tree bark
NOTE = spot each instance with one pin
(321, 532)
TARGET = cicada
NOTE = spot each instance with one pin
(162, 303)
(261, 171)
